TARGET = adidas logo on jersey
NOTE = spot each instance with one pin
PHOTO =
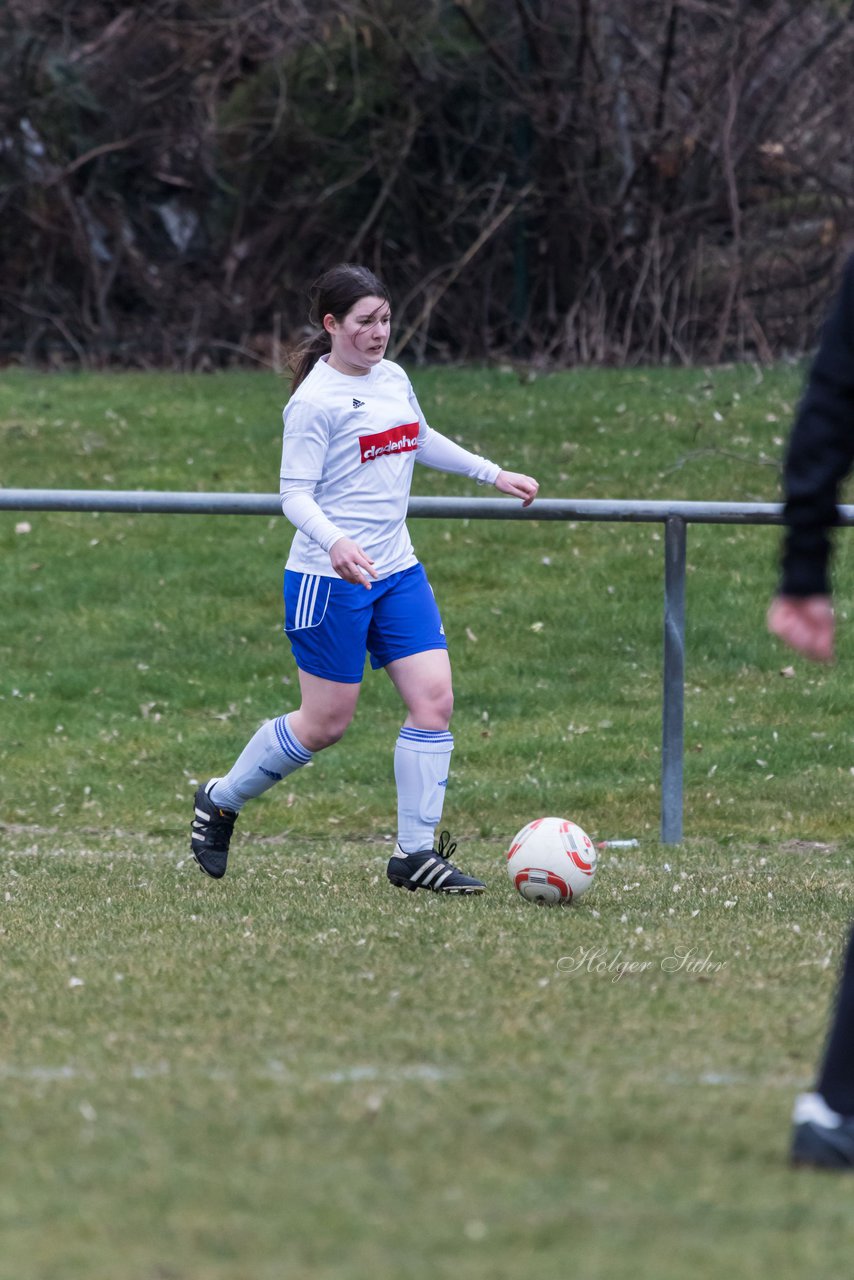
(358, 404)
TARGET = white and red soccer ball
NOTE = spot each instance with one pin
(551, 860)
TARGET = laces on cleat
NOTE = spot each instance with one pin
(446, 847)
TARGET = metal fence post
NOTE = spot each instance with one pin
(673, 709)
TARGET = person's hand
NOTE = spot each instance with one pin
(350, 562)
(518, 486)
(804, 623)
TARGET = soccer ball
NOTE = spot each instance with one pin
(551, 861)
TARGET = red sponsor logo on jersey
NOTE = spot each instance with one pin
(383, 444)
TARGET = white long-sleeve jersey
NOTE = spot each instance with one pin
(348, 451)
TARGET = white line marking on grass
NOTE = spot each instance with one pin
(729, 1079)
(41, 1074)
(273, 1070)
(424, 1071)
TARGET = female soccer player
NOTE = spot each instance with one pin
(353, 431)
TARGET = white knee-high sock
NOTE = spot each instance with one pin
(422, 759)
(270, 755)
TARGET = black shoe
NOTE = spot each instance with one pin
(430, 869)
(211, 832)
(820, 1137)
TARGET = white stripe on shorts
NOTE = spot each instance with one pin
(306, 600)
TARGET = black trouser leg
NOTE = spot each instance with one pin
(836, 1079)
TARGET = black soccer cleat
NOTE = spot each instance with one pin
(430, 869)
(211, 832)
(821, 1139)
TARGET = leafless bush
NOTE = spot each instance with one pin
(607, 181)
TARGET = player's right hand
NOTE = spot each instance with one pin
(351, 563)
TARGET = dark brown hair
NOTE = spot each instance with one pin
(333, 293)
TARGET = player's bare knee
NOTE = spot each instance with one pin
(328, 732)
(319, 731)
(433, 708)
(445, 706)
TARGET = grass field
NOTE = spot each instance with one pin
(300, 1072)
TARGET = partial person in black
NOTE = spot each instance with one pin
(819, 456)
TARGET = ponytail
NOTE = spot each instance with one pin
(303, 360)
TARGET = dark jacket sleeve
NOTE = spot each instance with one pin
(820, 452)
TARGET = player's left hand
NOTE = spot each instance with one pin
(517, 485)
(805, 623)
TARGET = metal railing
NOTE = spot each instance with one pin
(675, 516)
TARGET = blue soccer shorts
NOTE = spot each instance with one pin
(332, 624)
